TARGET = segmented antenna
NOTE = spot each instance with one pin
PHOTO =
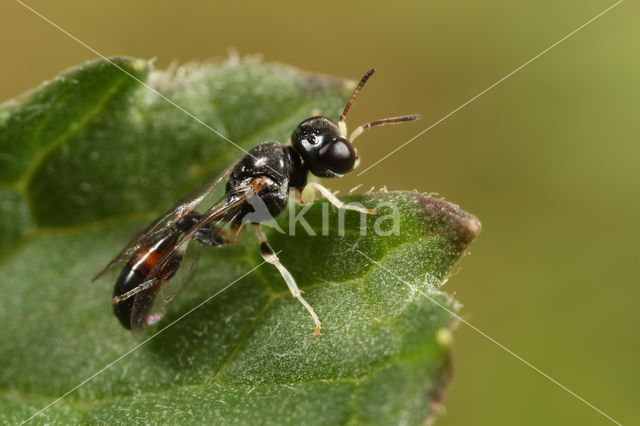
(341, 122)
(382, 122)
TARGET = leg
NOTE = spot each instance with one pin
(141, 287)
(210, 235)
(307, 197)
(217, 237)
(270, 256)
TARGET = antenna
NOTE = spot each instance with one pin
(341, 122)
(382, 122)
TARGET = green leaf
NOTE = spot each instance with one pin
(93, 155)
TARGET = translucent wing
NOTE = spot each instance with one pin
(146, 308)
(180, 209)
(142, 304)
(227, 207)
(149, 306)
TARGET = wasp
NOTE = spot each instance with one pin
(265, 176)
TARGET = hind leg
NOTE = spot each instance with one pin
(218, 237)
(270, 256)
(211, 235)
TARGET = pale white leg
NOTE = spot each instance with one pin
(270, 256)
(141, 287)
(305, 198)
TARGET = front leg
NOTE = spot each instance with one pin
(307, 195)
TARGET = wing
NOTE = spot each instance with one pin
(143, 303)
(228, 206)
(146, 309)
(180, 209)
(149, 306)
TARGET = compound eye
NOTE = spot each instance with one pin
(338, 156)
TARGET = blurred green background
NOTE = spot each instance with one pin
(549, 160)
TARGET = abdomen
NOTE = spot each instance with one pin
(138, 270)
(127, 280)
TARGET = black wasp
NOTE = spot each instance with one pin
(263, 177)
